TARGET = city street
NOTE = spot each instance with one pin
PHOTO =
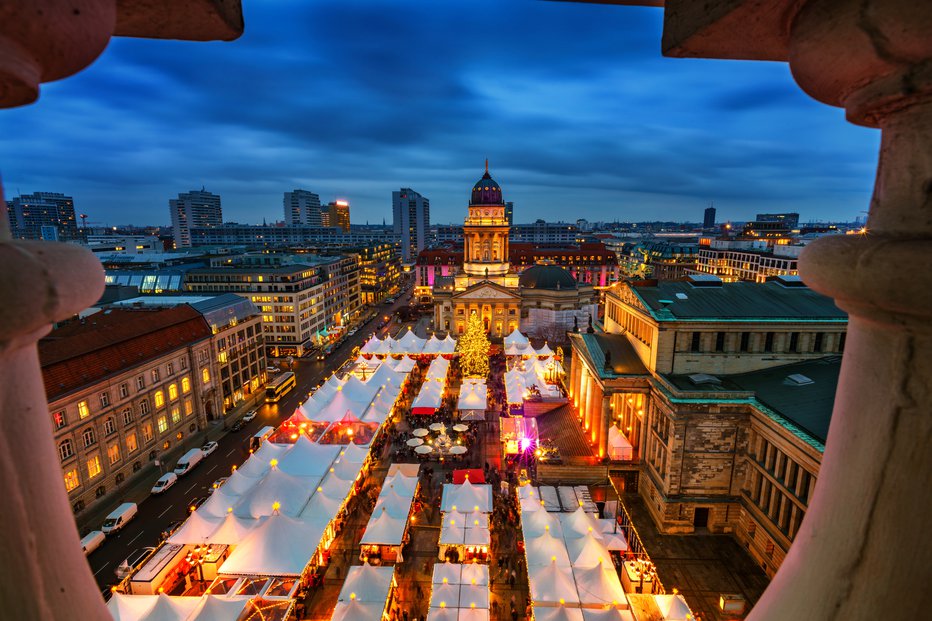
(157, 512)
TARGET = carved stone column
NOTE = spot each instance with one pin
(604, 425)
(863, 549)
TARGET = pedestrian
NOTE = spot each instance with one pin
(404, 615)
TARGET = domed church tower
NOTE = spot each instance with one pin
(485, 230)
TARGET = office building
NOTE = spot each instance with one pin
(336, 214)
(755, 260)
(541, 232)
(126, 387)
(43, 215)
(510, 212)
(194, 209)
(411, 222)
(379, 272)
(708, 218)
(302, 207)
(772, 225)
(270, 236)
(661, 260)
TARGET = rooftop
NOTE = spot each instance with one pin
(769, 301)
(623, 360)
(83, 352)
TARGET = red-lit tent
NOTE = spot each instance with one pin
(475, 476)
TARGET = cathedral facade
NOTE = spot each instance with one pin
(541, 298)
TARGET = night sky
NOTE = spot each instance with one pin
(577, 111)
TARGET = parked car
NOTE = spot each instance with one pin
(272, 370)
(92, 541)
(132, 562)
(197, 502)
(188, 461)
(216, 484)
(353, 331)
(169, 530)
(165, 481)
(238, 425)
(119, 517)
(251, 414)
(209, 448)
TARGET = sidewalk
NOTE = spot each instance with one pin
(140, 485)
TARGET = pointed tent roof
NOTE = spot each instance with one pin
(446, 594)
(308, 459)
(612, 614)
(409, 343)
(515, 338)
(475, 572)
(130, 607)
(472, 614)
(297, 418)
(545, 351)
(477, 537)
(587, 551)
(279, 546)
(433, 345)
(598, 585)
(370, 584)
(288, 492)
(452, 534)
(357, 611)
(239, 483)
(168, 608)
(324, 505)
(542, 550)
(371, 346)
(449, 345)
(218, 503)
(557, 613)
(466, 497)
(673, 607)
(551, 583)
(536, 523)
(354, 454)
(216, 608)
(232, 530)
(443, 614)
(578, 523)
(473, 596)
(383, 529)
(196, 529)
(449, 571)
(395, 504)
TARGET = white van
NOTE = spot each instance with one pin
(119, 517)
(261, 436)
(92, 541)
(188, 461)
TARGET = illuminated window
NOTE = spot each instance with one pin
(93, 466)
(65, 449)
(173, 392)
(222, 357)
(113, 453)
(159, 399)
(83, 412)
(205, 375)
(147, 432)
(131, 445)
(71, 480)
(176, 414)
(188, 407)
(59, 420)
(163, 424)
(185, 385)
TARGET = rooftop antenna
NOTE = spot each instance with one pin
(487, 165)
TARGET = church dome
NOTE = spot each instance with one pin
(546, 277)
(486, 191)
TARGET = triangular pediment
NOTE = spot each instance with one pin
(487, 290)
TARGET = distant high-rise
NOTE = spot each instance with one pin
(510, 212)
(708, 220)
(411, 222)
(43, 215)
(194, 209)
(336, 213)
(302, 207)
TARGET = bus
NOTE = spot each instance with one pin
(279, 387)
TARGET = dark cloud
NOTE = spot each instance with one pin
(573, 104)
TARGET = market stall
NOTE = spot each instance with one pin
(473, 399)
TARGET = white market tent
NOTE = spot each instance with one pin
(371, 346)
(445, 596)
(546, 550)
(433, 346)
(578, 523)
(443, 614)
(466, 497)
(278, 546)
(473, 399)
(384, 530)
(552, 584)
(358, 611)
(516, 338)
(367, 584)
(446, 573)
(429, 398)
(130, 607)
(598, 585)
(276, 491)
(474, 596)
(216, 608)
(673, 607)
(449, 345)
(231, 531)
(409, 343)
(473, 614)
(475, 573)
(196, 528)
(404, 365)
(619, 448)
(544, 351)
(557, 613)
(612, 614)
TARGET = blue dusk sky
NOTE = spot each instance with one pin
(573, 104)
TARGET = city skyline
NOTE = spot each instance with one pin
(572, 123)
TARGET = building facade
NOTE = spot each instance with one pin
(336, 214)
(43, 215)
(126, 387)
(750, 260)
(411, 222)
(486, 284)
(379, 272)
(194, 209)
(271, 235)
(708, 218)
(723, 394)
(302, 207)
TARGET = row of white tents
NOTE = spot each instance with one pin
(389, 518)
(365, 593)
(516, 344)
(473, 399)
(430, 397)
(162, 607)
(459, 592)
(369, 400)
(409, 343)
(533, 372)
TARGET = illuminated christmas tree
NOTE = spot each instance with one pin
(473, 348)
